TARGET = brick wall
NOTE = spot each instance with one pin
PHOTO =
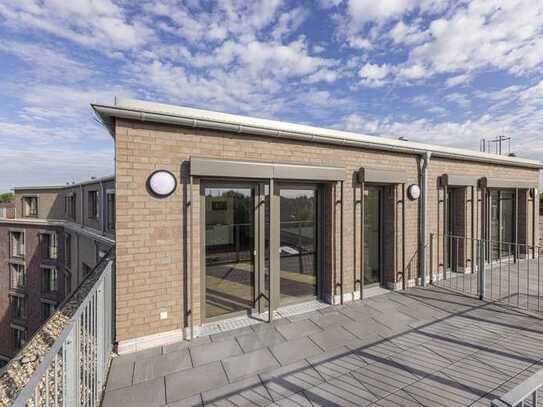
(151, 276)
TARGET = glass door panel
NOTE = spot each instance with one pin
(298, 244)
(494, 225)
(372, 236)
(507, 224)
(229, 250)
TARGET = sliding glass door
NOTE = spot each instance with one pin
(298, 243)
(373, 197)
(229, 249)
(501, 223)
(240, 227)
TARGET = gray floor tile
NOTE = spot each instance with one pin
(151, 368)
(331, 319)
(298, 329)
(257, 341)
(342, 391)
(187, 383)
(333, 337)
(364, 330)
(139, 355)
(248, 392)
(296, 400)
(173, 347)
(420, 361)
(211, 352)
(294, 350)
(383, 378)
(249, 364)
(336, 362)
(194, 401)
(439, 392)
(290, 379)
(267, 326)
(121, 374)
(147, 394)
(398, 399)
(228, 335)
(376, 351)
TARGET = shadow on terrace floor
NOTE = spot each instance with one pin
(425, 347)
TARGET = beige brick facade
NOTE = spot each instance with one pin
(151, 255)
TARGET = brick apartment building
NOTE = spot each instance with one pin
(262, 214)
(55, 237)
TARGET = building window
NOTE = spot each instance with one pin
(49, 245)
(110, 211)
(86, 269)
(47, 309)
(30, 206)
(19, 337)
(68, 250)
(17, 305)
(49, 280)
(17, 276)
(17, 243)
(70, 206)
(67, 283)
(93, 204)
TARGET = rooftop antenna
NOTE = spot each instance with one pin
(500, 145)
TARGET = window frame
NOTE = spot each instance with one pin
(49, 269)
(12, 246)
(31, 213)
(110, 210)
(12, 265)
(13, 298)
(49, 251)
(46, 303)
(93, 205)
(16, 328)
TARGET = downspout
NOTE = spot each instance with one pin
(424, 217)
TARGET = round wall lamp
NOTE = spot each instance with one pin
(413, 192)
(161, 183)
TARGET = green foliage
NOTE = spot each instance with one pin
(7, 197)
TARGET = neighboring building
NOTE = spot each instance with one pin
(56, 237)
(7, 210)
(290, 213)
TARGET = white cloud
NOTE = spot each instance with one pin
(374, 75)
(363, 11)
(96, 23)
(458, 98)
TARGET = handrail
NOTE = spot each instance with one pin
(66, 361)
(521, 392)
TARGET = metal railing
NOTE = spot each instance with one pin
(498, 271)
(525, 394)
(73, 372)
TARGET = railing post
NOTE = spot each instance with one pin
(481, 269)
(100, 343)
(71, 373)
(431, 265)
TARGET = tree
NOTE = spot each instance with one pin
(7, 197)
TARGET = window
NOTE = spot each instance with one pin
(30, 206)
(93, 204)
(17, 305)
(19, 337)
(67, 283)
(70, 206)
(86, 269)
(110, 225)
(49, 245)
(17, 276)
(49, 280)
(47, 309)
(17, 243)
(68, 250)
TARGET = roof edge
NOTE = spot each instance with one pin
(189, 117)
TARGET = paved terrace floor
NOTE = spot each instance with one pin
(426, 347)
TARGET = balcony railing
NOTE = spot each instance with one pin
(66, 361)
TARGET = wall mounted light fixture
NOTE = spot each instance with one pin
(413, 192)
(161, 183)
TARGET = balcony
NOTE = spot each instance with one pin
(424, 346)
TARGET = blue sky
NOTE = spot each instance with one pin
(443, 72)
